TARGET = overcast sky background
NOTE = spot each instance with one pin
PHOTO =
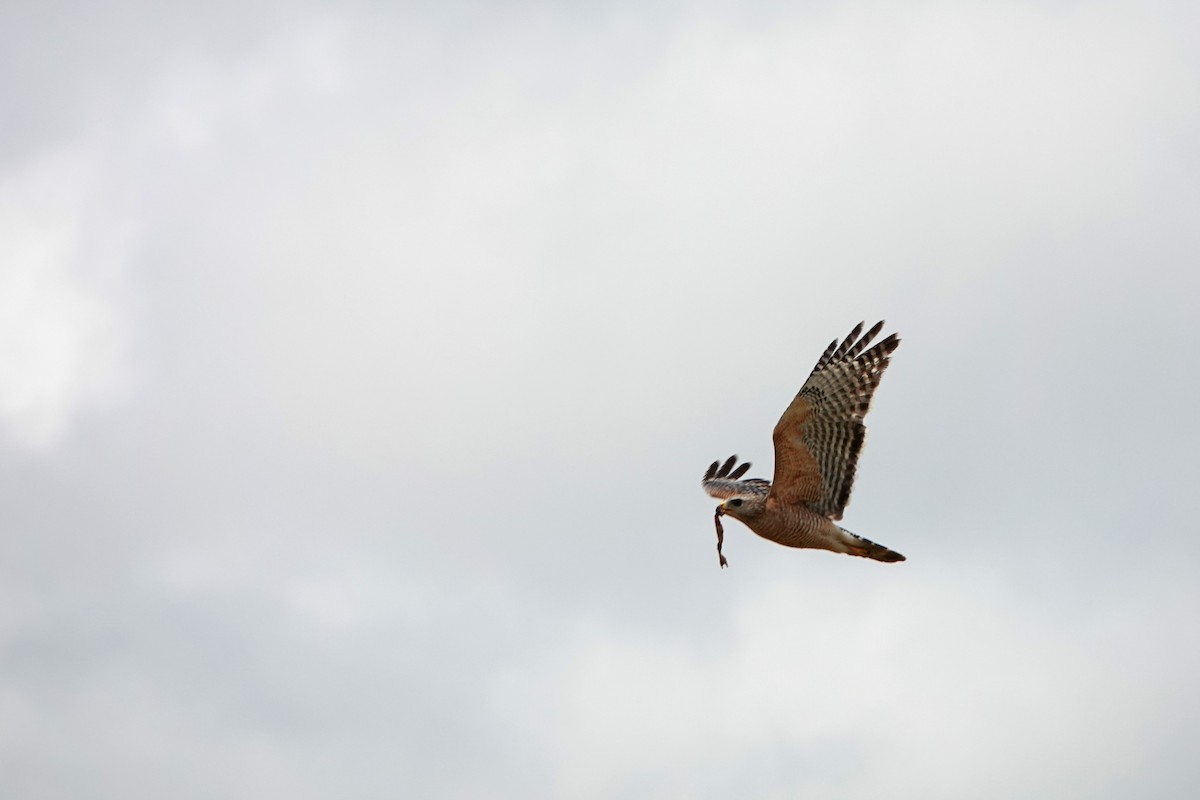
(359, 365)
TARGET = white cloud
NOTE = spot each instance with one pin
(195, 100)
(61, 332)
(550, 237)
(897, 692)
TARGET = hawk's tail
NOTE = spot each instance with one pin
(858, 546)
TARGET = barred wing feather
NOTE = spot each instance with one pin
(722, 480)
(819, 436)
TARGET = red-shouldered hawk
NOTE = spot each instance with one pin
(817, 441)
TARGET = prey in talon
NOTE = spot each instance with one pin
(720, 538)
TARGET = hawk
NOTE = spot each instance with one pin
(816, 450)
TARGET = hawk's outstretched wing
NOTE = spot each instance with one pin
(819, 435)
(721, 481)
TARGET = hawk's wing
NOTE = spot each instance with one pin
(721, 480)
(819, 435)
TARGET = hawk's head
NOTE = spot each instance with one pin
(743, 506)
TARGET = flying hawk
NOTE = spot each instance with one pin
(816, 449)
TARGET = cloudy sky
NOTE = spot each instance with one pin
(359, 363)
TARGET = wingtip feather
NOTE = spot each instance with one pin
(740, 471)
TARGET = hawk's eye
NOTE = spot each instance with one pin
(737, 501)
